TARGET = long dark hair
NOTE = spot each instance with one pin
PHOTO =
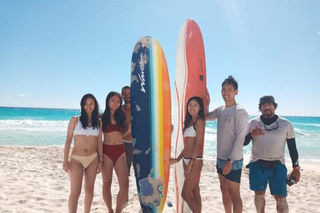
(188, 117)
(119, 115)
(95, 114)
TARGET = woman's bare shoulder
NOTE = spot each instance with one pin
(200, 122)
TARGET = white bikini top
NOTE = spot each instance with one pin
(190, 132)
(79, 130)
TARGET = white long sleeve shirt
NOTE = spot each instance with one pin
(232, 127)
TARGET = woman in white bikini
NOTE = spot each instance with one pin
(86, 157)
(193, 133)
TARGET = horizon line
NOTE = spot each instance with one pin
(28, 107)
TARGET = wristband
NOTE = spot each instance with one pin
(231, 161)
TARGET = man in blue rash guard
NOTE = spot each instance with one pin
(269, 134)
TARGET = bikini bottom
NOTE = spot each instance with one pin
(85, 160)
(187, 159)
(113, 151)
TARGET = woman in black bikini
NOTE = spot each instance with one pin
(113, 127)
(193, 133)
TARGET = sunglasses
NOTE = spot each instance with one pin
(270, 129)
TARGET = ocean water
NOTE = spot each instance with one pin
(48, 127)
(33, 126)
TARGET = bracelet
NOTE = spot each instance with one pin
(231, 161)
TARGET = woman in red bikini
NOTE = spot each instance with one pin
(86, 157)
(113, 127)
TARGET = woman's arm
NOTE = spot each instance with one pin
(68, 144)
(100, 149)
(100, 142)
(176, 160)
(200, 128)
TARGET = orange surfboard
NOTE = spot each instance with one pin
(190, 80)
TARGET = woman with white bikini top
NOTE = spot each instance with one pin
(193, 134)
(86, 157)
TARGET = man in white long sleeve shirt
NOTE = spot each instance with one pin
(232, 127)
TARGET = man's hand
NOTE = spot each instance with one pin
(296, 175)
(256, 131)
(227, 168)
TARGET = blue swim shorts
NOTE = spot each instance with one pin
(259, 177)
(235, 174)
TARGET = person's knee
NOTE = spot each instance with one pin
(224, 189)
(89, 189)
(185, 195)
(196, 193)
(259, 201)
(234, 194)
(282, 205)
(75, 194)
(235, 197)
(196, 189)
(259, 197)
(107, 186)
(124, 187)
(124, 190)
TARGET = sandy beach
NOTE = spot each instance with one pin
(32, 180)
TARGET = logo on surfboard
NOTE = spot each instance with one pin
(141, 76)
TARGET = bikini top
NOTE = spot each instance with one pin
(79, 130)
(113, 128)
(190, 132)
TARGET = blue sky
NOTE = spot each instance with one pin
(54, 52)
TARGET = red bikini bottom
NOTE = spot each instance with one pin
(113, 151)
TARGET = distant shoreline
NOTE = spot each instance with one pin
(58, 108)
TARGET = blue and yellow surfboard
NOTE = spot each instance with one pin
(151, 123)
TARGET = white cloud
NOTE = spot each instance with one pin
(23, 95)
(7, 97)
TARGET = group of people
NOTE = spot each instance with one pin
(91, 155)
(269, 134)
